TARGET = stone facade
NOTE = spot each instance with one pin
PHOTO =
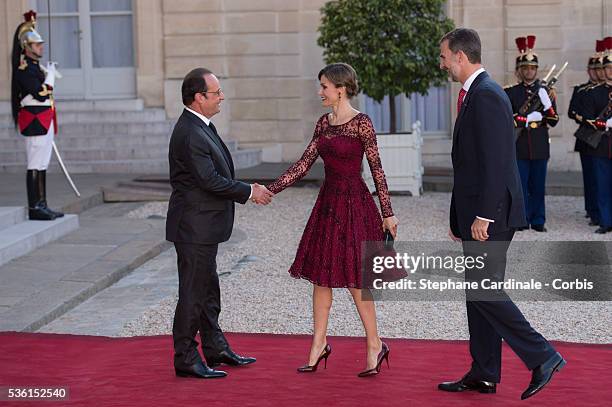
(266, 55)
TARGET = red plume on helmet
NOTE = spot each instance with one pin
(600, 46)
(526, 55)
(30, 16)
(531, 41)
(521, 44)
(607, 55)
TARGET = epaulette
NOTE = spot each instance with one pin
(511, 86)
(23, 65)
(589, 87)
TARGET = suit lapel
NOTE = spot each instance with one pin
(464, 105)
(216, 142)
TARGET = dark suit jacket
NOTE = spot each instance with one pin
(486, 178)
(201, 207)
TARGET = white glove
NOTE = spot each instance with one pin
(544, 98)
(609, 123)
(51, 71)
(534, 117)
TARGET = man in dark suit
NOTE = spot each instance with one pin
(487, 205)
(200, 216)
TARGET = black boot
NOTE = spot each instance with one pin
(42, 180)
(36, 211)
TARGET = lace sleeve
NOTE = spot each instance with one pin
(301, 167)
(368, 139)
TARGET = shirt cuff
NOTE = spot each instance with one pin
(251, 194)
(488, 220)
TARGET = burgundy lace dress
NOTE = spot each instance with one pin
(344, 214)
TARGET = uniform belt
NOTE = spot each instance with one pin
(535, 125)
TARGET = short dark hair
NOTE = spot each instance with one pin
(341, 74)
(193, 83)
(466, 40)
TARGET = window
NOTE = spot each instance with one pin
(432, 110)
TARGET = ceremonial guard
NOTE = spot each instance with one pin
(33, 112)
(597, 114)
(534, 111)
(576, 112)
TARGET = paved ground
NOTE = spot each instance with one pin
(38, 287)
(259, 296)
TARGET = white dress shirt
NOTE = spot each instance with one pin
(466, 87)
(206, 120)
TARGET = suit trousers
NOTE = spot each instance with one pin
(199, 304)
(497, 316)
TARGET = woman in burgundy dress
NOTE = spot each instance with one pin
(344, 215)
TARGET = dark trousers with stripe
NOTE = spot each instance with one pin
(533, 180)
(590, 187)
(602, 167)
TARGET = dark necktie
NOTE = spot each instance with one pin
(224, 149)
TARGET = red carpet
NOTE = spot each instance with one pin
(138, 371)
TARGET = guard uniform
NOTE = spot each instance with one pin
(597, 103)
(34, 113)
(576, 112)
(533, 142)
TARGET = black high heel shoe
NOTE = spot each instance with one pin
(382, 355)
(311, 369)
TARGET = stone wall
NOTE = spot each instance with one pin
(266, 55)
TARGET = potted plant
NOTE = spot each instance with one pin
(393, 46)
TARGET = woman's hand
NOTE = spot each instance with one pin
(390, 224)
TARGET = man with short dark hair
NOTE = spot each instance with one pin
(486, 208)
(200, 216)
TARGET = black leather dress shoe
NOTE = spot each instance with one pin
(601, 230)
(467, 383)
(542, 374)
(228, 357)
(522, 228)
(200, 371)
(539, 228)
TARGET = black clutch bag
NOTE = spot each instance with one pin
(388, 240)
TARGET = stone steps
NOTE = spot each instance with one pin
(146, 115)
(99, 129)
(19, 236)
(112, 141)
(242, 159)
(72, 154)
(106, 136)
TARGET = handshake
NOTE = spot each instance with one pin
(260, 194)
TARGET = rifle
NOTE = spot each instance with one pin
(592, 135)
(533, 102)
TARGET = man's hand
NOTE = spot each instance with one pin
(390, 224)
(452, 236)
(261, 195)
(534, 117)
(544, 98)
(479, 230)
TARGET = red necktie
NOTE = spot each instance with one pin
(462, 93)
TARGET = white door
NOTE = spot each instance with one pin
(92, 41)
